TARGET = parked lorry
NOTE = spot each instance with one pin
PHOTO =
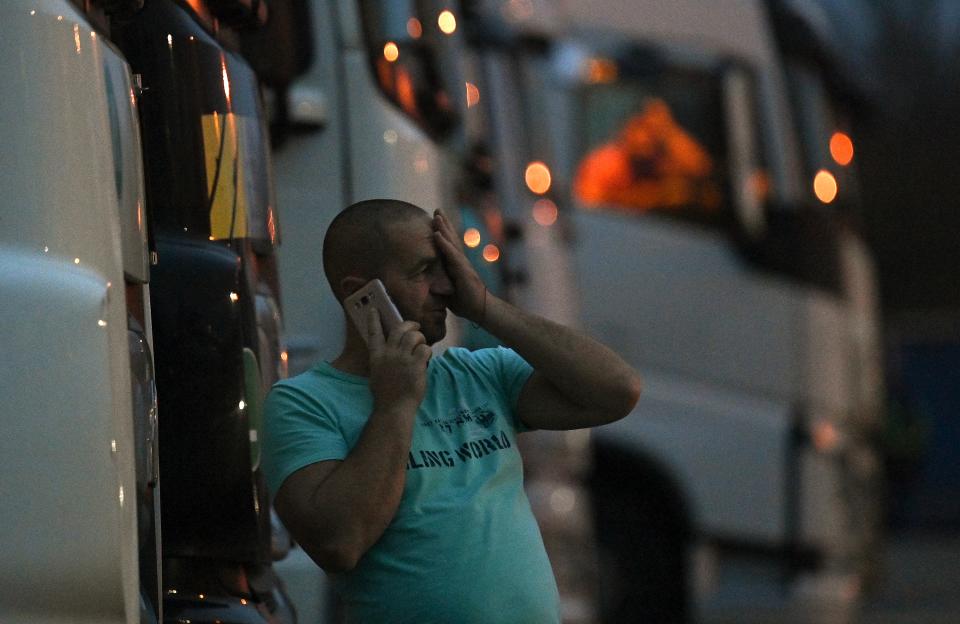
(649, 154)
(370, 118)
(138, 230)
(747, 307)
(376, 114)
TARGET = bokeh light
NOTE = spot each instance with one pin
(545, 212)
(471, 238)
(491, 253)
(414, 28)
(391, 52)
(447, 22)
(538, 177)
(825, 186)
(841, 148)
(473, 95)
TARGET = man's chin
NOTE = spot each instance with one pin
(436, 335)
(434, 327)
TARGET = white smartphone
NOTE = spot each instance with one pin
(372, 294)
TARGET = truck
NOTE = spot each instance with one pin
(80, 458)
(137, 260)
(377, 113)
(654, 163)
(371, 117)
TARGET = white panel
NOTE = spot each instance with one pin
(826, 358)
(67, 533)
(346, 16)
(392, 156)
(825, 520)
(731, 26)
(65, 370)
(57, 152)
(311, 176)
(677, 298)
(864, 324)
(549, 289)
(726, 450)
(127, 166)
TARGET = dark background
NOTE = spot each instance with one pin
(909, 165)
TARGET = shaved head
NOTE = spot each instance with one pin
(358, 240)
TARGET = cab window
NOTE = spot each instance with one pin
(401, 46)
(654, 142)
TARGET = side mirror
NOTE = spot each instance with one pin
(801, 241)
(296, 111)
(307, 108)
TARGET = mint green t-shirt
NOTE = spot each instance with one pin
(464, 546)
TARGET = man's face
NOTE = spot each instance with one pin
(415, 277)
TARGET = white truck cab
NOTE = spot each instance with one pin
(382, 116)
(677, 221)
(377, 114)
(80, 518)
(139, 287)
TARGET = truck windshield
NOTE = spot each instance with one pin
(652, 143)
(210, 176)
(401, 45)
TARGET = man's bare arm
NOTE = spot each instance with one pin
(577, 382)
(337, 510)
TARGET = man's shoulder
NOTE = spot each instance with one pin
(300, 382)
(317, 381)
(321, 393)
(460, 358)
(476, 356)
(493, 362)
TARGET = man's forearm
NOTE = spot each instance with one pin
(583, 370)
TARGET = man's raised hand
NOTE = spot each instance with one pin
(469, 291)
(398, 363)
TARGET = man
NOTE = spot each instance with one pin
(399, 473)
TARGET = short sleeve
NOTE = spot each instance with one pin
(511, 373)
(297, 432)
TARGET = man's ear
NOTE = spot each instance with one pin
(351, 284)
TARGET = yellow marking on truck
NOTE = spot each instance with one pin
(226, 176)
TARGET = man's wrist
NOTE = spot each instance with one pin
(481, 318)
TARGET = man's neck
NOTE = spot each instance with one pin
(355, 358)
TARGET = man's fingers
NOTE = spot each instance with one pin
(444, 240)
(453, 254)
(375, 338)
(423, 352)
(449, 242)
(410, 340)
(445, 227)
(400, 330)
